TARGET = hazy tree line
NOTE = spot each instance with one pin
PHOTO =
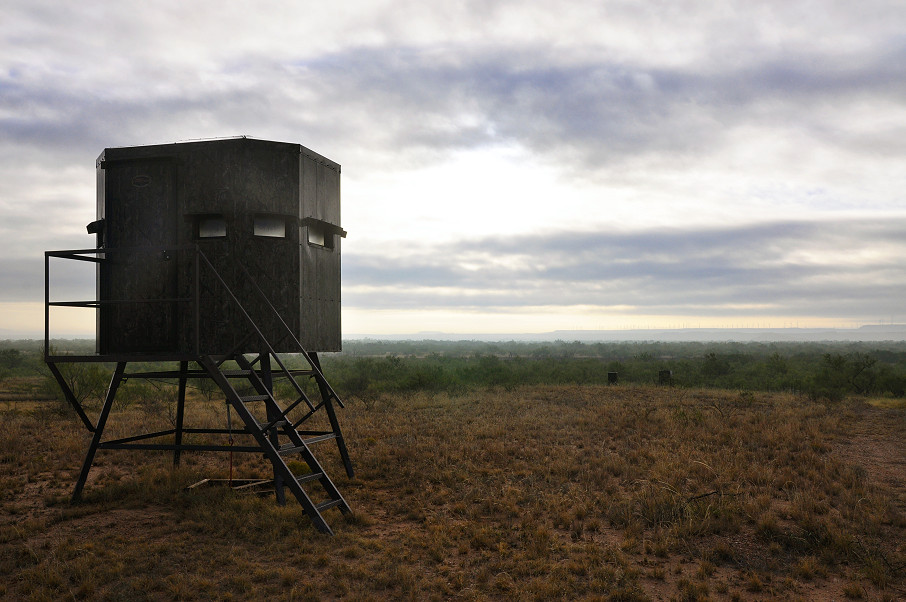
(369, 368)
(821, 370)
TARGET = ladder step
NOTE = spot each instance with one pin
(274, 425)
(301, 372)
(289, 449)
(254, 397)
(328, 504)
(312, 476)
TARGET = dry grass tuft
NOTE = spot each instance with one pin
(540, 492)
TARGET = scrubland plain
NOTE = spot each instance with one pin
(534, 492)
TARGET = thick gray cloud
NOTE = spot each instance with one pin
(795, 268)
(604, 111)
(395, 99)
(779, 109)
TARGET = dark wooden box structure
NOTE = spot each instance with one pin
(267, 216)
(209, 252)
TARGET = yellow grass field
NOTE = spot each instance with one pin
(612, 493)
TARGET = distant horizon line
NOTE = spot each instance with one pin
(866, 332)
(876, 332)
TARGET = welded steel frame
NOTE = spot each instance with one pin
(183, 373)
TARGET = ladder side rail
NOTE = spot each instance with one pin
(315, 367)
(261, 387)
(251, 322)
(235, 350)
(300, 421)
(296, 439)
(316, 468)
(294, 382)
(334, 423)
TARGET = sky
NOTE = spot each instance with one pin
(507, 166)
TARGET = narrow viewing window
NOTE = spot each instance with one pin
(270, 226)
(211, 226)
(319, 236)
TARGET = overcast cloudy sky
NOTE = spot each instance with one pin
(507, 166)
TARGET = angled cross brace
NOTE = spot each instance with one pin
(68, 394)
(115, 381)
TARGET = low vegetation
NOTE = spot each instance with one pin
(827, 371)
(368, 369)
(480, 489)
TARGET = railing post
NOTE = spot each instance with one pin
(46, 305)
(180, 410)
(197, 301)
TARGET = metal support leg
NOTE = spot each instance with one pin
(332, 416)
(264, 365)
(180, 410)
(99, 429)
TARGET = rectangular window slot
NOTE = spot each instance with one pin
(322, 234)
(210, 226)
(271, 226)
(319, 236)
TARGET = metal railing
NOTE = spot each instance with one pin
(98, 256)
(192, 319)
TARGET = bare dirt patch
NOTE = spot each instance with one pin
(876, 441)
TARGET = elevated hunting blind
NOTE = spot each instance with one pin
(267, 214)
(220, 255)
